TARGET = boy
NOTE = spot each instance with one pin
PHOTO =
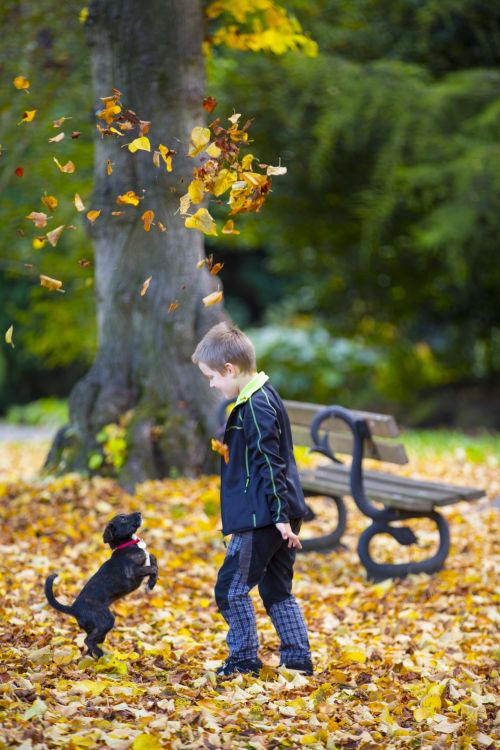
(262, 505)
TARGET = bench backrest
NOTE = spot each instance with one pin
(340, 435)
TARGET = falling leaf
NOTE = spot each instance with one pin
(147, 217)
(234, 118)
(166, 155)
(246, 162)
(19, 171)
(54, 285)
(213, 150)
(199, 139)
(184, 203)
(39, 219)
(145, 286)
(212, 299)
(201, 263)
(128, 198)
(38, 243)
(8, 336)
(58, 123)
(21, 83)
(221, 448)
(140, 144)
(173, 306)
(56, 138)
(144, 127)
(93, 215)
(28, 265)
(109, 168)
(84, 263)
(209, 103)
(28, 116)
(196, 192)
(75, 134)
(203, 221)
(50, 201)
(117, 213)
(54, 235)
(225, 179)
(108, 113)
(161, 226)
(78, 203)
(216, 268)
(276, 170)
(229, 228)
(69, 167)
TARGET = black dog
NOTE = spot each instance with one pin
(122, 573)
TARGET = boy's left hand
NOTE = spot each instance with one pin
(286, 532)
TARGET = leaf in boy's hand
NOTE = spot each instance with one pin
(221, 448)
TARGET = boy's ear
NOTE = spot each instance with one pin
(230, 369)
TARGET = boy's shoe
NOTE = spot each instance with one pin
(301, 665)
(245, 666)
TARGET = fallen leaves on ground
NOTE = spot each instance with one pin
(400, 664)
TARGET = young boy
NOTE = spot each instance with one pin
(262, 505)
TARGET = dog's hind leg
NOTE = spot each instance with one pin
(98, 634)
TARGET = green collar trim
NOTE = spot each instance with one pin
(254, 385)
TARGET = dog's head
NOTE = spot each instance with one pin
(121, 528)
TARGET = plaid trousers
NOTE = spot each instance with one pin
(261, 557)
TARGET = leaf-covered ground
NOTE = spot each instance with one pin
(410, 664)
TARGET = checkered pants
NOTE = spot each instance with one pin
(261, 557)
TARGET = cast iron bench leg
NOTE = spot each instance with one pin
(381, 571)
(331, 540)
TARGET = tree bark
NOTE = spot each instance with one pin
(151, 52)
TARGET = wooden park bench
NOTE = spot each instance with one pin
(333, 429)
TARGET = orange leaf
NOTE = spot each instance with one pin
(216, 268)
(19, 171)
(28, 116)
(221, 448)
(209, 103)
(108, 113)
(147, 218)
(173, 306)
(54, 285)
(93, 215)
(38, 219)
(145, 286)
(128, 198)
(56, 138)
(229, 228)
(20, 82)
(49, 201)
(53, 237)
(69, 167)
(212, 299)
(78, 203)
(109, 168)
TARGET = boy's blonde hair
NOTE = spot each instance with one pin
(225, 343)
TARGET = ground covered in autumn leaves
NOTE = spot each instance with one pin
(406, 664)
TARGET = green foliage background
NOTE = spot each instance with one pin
(378, 250)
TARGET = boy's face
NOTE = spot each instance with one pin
(225, 382)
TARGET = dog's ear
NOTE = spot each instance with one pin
(109, 533)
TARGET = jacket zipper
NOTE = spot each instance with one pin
(247, 482)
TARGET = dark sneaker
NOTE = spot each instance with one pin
(245, 666)
(301, 665)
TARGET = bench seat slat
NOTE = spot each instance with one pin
(342, 443)
(300, 413)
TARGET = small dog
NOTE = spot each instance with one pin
(124, 572)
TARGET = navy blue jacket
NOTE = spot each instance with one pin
(260, 483)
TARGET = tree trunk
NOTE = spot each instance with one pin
(152, 53)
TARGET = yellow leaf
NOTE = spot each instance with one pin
(199, 139)
(212, 299)
(128, 198)
(109, 168)
(217, 445)
(116, 132)
(49, 201)
(196, 191)
(69, 167)
(147, 218)
(20, 82)
(201, 263)
(78, 203)
(223, 181)
(246, 162)
(145, 286)
(38, 243)
(429, 705)
(229, 228)
(203, 221)
(140, 144)
(28, 116)
(354, 654)
(38, 708)
(83, 15)
(213, 150)
(93, 215)
(108, 113)
(308, 739)
(39, 219)
(8, 336)
(56, 138)
(54, 285)
(54, 235)
(146, 742)
(166, 155)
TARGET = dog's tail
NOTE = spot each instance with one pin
(51, 598)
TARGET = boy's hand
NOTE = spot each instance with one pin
(286, 532)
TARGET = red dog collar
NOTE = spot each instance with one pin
(127, 544)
